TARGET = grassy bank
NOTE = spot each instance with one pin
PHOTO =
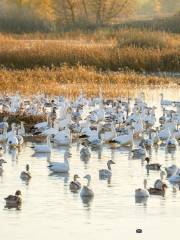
(105, 50)
(69, 81)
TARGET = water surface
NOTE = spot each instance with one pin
(50, 210)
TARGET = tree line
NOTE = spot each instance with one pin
(54, 15)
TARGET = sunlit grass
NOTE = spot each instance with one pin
(70, 81)
(104, 50)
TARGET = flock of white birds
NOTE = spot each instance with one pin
(93, 122)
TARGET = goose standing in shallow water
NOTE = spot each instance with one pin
(142, 192)
(75, 185)
(106, 173)
(26, 175)
(60, 167)
(86, 191)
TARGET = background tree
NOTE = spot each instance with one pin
(107, 10)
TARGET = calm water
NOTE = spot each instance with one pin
(50, 210)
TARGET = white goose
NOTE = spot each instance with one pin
(159, 182)
(95, 138)
(43, 148)
(171, 142)
(165, 102)
(60, 167)
(106, 173)
(142, 193)
(63, 137)
(12, 138)
(86, 191)
(164, 134)
(140, 151)
(174, 178)
(110, 135)
(172, 170)
(21, 130)
(125, 139)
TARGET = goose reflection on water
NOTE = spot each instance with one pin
(61, 176)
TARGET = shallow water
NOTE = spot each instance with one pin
(50, 210)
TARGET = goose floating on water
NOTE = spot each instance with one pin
(106, 173)
(43, 148)
(60, 167)
(26, 175)
(157, 191)
(86, 191)
(14, 200)
(142, 192)
(152, 166)
(75, 185)
(159, 182)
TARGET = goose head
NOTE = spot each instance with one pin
(2, 161)
(76, 177)
(147, 159)
(18, 193)
(164, 187)
(27, 167)
(109, 164)
(67, 154)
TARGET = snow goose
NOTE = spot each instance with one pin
(165, 102)
(106, 173)
(43, 148)
(142, 192)
(172, 170)
(171, 142)
(60, 167)
(159, 182)
(125, 139)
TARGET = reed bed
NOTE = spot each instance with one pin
(68, 81)
(104, 50)
(29, 120)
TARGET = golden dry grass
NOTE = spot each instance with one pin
(125, 49)
(69, 81)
